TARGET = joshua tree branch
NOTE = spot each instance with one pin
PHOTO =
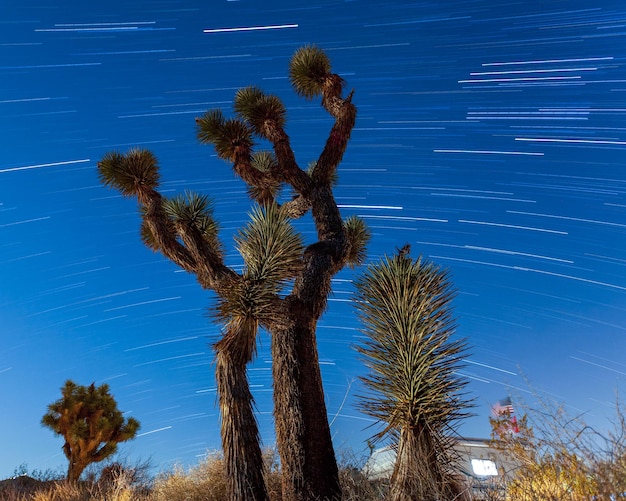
(210, 265)
(242, 166)
(156, 220)
(345, 117)
(297, 207)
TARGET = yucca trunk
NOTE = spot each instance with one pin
(240, 434)
(416, 475)
(309, 467)
(420, 474)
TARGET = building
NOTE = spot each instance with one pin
(484, 468)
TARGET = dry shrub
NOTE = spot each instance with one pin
(207, 480)
(355, 486)
(273, 478)
(118, 487)
(204, 482)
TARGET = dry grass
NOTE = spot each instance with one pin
(117, 488)
(203, 482)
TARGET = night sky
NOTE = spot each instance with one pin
(490, 136)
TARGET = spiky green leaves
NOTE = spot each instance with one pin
(193, 209)
(308, 70)
(270, 246)
(190, 209)
(272, 253)
(229, 137)
(263, 193)
(264, 161)
(261, 111)
(130, 172)
(405, 309)
(357, 236)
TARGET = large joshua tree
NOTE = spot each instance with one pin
(414, 388)
(284, 285)
(88, 419)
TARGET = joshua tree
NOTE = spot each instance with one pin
(415, 392)
(284, 286)
(88, 419)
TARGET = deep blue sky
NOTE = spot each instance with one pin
(490, 136)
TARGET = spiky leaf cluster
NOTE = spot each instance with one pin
(264, 161)
(259, 110)
(357, 236)
(246, 303)
(227, 136)
(272, 254)
(194, 210)
(405, 309)
(130, 172)
(308, 70)
(191, 209)
(270, 246)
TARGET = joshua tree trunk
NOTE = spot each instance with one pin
(303, 436)
(240, 434)
(74, 471)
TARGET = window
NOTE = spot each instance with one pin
(484, 467)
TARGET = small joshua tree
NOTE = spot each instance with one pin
(284, 285)
(415, 391)
(88, 419)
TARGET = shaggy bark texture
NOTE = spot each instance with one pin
(240, 436)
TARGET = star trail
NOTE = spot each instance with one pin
(490, 136)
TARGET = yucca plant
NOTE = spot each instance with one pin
(284, 285)
(415, 392)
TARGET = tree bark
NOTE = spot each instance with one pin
(309, 467)
(74, 470)
(418, 474)
(240, 434)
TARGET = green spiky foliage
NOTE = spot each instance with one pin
(264, 161)
(284, 286)
(195, 210)
(191, 209)
(415, 392)
(357, 236)
(272, 253)
(261, 111)
(88, 419)
(229, 137)
(266, 193)
(270, 246)
(129, 173)
(309, 70)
